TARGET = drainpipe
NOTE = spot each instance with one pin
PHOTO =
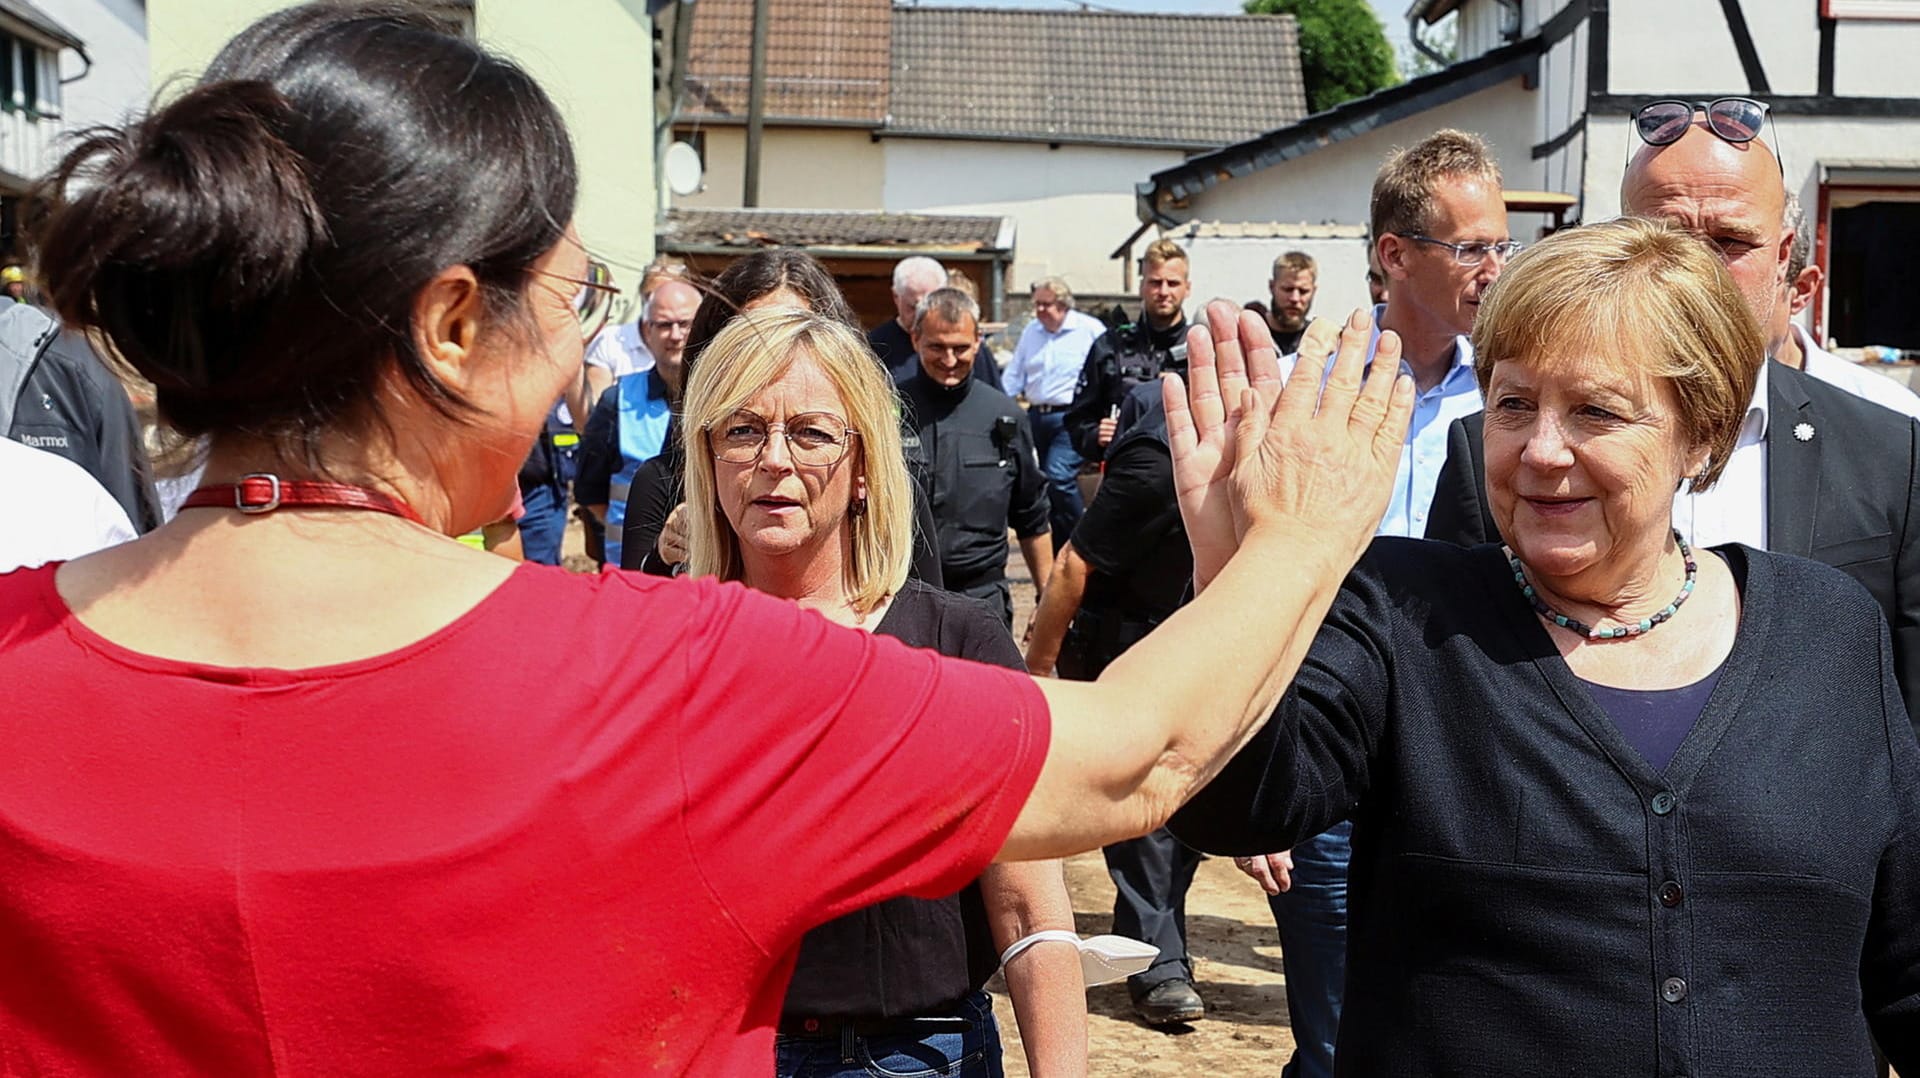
(84, 71)
(1416, 18)
(1510, 26)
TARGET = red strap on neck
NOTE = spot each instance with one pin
(263, 492)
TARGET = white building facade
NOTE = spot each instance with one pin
(1552, 84)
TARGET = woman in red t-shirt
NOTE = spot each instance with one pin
(297, 783)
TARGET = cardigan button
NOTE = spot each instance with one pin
(1671, 894)
(1673, 989)
(1662, 803)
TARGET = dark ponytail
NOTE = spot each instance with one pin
(185, 222)
(255, 247)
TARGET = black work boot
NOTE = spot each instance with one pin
(1169, 1003)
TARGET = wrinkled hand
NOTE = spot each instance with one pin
(672, 543)
(1201, 418)
(1315, 461)
(1272, 871)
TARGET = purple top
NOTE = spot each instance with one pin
(1655, 721)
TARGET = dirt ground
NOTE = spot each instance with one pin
(1236, 959)
(1236, 965)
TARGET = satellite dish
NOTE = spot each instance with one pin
(682, 166)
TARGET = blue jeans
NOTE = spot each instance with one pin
(1312, 919)
(1062, 468)
(545, 524)
(973, 1054)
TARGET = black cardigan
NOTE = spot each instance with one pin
(1530, 897)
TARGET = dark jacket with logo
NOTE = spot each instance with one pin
(1120, 359)
(56, 395)
(969, 448)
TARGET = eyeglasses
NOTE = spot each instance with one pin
(594, 301)
(1735, 119)
(815, 439)
(1049, 305)
(1472, 254)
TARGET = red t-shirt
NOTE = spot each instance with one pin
(581, 830)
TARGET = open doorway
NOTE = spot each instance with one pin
(1871, 274)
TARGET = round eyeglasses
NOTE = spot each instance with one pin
(815, 439)
(593, 300)
(1472, 254)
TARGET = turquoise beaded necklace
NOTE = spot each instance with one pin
(1644, 625)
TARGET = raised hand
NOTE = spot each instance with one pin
(1228, 355)
(1320, 463)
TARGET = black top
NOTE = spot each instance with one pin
(894, 346)
(1847, 495)
(1132, 536)
(907, 956)
(1119, 360)
(1528, 895)
(1286, 341)
(970, 448)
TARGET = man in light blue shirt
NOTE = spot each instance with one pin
(1439, 224)
(1044, 370)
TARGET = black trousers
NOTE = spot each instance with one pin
(1150, 874)
(1150, 878)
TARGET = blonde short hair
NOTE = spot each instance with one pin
(748, 355)
(1648, 295)
(1162, 251)
(1296, 262)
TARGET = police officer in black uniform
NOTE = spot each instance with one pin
(545, 477)
(1134, 353)
(969, 448)
(1126, 570)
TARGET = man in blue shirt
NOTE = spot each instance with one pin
(628, 425)
(1044, 371)
(1439, 226)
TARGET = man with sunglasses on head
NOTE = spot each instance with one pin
(628, 425)
(1817, 471)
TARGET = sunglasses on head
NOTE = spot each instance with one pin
(1735, 119)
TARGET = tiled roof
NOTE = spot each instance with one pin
(826, 60)
(1188, 81)
(690, 229)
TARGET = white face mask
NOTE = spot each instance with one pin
(1103, 959)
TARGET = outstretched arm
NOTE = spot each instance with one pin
(1284, 489)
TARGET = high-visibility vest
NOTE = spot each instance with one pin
(641, 423)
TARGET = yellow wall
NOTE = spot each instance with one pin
(594, 57)
(815, 168)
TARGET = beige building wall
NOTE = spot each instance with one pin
(594, 57)
(814, 168)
